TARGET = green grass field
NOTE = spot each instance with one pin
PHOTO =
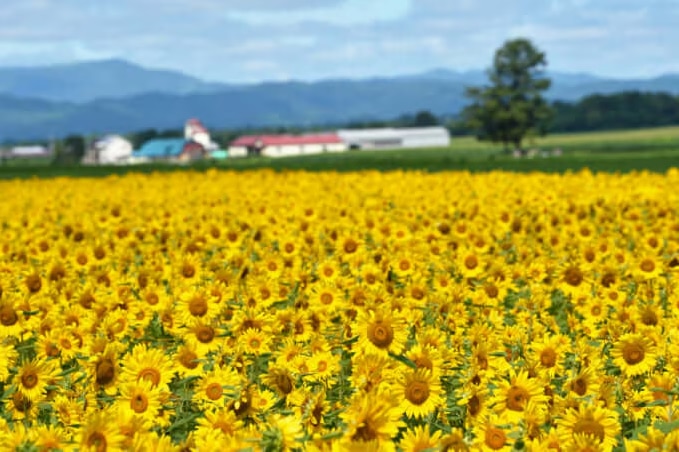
(619, 151)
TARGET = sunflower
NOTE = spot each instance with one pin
(381, 331)
(647, 267)
(325, 296)
(634, 354)
(12, 322)
(223, 420)
(371, 419)
(50, 437)
(311, 408)
(512, 397)
(371, 370)
(419, 392)
(284, 433)
(323, 365)
(196, 305)
(453, 441)
(99, 434)
(280, 379)
(426, 357)
(547, 355)
(33, 377)
(658, 392)
(584, 383)
(147, 364)
(419, 439)
(68, 411)
(8, 357)
(21, 407)
(573, 280)
(469, 263)
(140, 398)
(254, 342)
(328, 270)
(217, 386)
(589, 420)
(206, 337)
(492, 435)
(475, 400)
(105, 369)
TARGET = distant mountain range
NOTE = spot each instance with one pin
(118, 96)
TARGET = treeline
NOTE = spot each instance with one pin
(626, 110)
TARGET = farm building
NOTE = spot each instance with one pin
(109, 149)
(169, 149)
(286, 145)
(27, 152)
(394, 138)
(194, 130)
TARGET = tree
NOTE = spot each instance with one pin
(425, 118)
(511, 107)
(70, 151)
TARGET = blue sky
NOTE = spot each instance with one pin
(256, 40)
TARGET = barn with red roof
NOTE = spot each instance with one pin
(286, 145)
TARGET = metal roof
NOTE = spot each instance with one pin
(164, 147)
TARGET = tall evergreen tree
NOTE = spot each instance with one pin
(511, 107)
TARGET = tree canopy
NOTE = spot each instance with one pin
(511, 107)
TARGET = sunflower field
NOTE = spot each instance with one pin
(367, 311)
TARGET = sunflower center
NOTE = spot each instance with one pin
(326, 298)
(608, 279)
(188, 359)
(495, 438)
(198, 306)
(417, 293)
(417, 392)
(404, 265)
(214, 391)
(205, 334)
(491, 290)
(471, 262)
(548, 357)
(105, 371)
(33, 283)
(423, 362)
(8, 316)
(284, 383)
(97, 440)
(364, 432)
(589, 427)
(350, 246)
(647, 265)
(579, 386)
(29, 380)
(188, 270)
(649, 317)
(517, 398)
(139, 403)
(149, 374)
(21, 403)
(474, 405)
(380, 334)
(633, 353)
(152, 298)
(573, 276)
